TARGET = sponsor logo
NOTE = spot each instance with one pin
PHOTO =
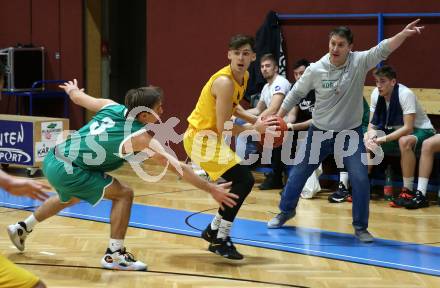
(13, 155)
(326, 84)
(51, 130)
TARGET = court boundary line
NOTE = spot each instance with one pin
(168, 273)
(282, 247)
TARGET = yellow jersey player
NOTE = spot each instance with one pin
(205, 143)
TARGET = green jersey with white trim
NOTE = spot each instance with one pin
(98, 145)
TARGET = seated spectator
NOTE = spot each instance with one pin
(270, 101)
(396, 111)
(299, 118)
(429, 147)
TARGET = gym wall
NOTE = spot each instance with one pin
(187, 41)
(58, 26)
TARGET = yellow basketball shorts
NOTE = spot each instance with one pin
(210, 151)
(12, 276)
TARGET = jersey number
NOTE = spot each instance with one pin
(96, 128)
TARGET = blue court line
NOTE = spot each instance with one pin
(315, 242)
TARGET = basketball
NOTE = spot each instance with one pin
(277, 140)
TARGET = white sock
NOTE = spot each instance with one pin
(115, 244)
(224, 229)
(30, 222)
(408, 183)
(422, 184)
(216, 221)
(343, 177)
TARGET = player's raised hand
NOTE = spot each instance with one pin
(70, 86)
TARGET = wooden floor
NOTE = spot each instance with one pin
(65, 252)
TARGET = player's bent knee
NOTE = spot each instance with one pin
(127, 193)
(406, 143)
(247, 183)
(119, 191)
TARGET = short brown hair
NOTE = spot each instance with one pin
(343, 32)
(240, 40)
(143, 96)
(269, 57)
(386, 71)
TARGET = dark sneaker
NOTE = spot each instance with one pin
(270, 183)
(18, 233)
(364, 236)
(403, 199)
(280, 219)
(225, 248)
(208, 234)
(339, 196)
(419, 201)
(121, 260)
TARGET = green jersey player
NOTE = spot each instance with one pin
(77, 167)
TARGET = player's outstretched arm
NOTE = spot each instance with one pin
(146, 143)
(220, 192)
(82, 99)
